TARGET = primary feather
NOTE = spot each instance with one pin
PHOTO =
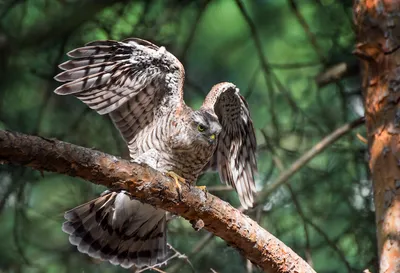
(235, 157)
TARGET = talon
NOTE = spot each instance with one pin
(202, 188)
(178, 180)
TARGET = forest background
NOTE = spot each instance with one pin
(293, 62)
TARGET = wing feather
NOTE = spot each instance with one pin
(129, 80)
(234, 157)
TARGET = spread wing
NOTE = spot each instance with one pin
(130, 80)
(235, 156)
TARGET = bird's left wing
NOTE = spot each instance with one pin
(235, 156)
(130, 80)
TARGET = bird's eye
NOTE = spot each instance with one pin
(201, 128)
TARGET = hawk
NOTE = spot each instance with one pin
(140, 86)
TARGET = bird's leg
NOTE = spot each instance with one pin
(178, 179)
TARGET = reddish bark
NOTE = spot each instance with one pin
(152, 187)
(378, 30)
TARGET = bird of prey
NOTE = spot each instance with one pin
(140, 86)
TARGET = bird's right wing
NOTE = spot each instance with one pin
(130, 80)
(235, 156)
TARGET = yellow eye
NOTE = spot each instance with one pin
(201, 128)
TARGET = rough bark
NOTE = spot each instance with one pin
(152, 187)
(378, 29)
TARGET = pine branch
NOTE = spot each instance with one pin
(150, 186)
(309, 155)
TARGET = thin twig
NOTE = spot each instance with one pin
(8, 7)
(307, 30)
(219, 188)
(330, 243)
(250, 87)
(362, 139)
(303, 160)
(336, 72)
(310, 154)
(16, 228)
(203, 242)
(269, 76)
(192, 31)
(158, 270)
(288, 66)
(318, 50)
(264, 63)
(48, 92)
(303, 218)
(176, 255)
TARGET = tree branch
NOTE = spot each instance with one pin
(306, 157)
(307, 30)
(336, 73)
(151, 186)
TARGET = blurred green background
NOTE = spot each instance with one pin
(273, 50)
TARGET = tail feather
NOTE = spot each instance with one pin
(118, 229)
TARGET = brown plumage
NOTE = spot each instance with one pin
(140, 85)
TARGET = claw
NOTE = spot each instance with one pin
(203, 189)
(178, 180)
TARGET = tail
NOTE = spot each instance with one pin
(118, 229)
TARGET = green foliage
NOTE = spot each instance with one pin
(327, 212)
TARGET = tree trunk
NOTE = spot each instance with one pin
(378, 34)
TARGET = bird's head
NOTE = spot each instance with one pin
(206, 127)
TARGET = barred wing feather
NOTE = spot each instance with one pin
(235, 156)
(129, 80)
